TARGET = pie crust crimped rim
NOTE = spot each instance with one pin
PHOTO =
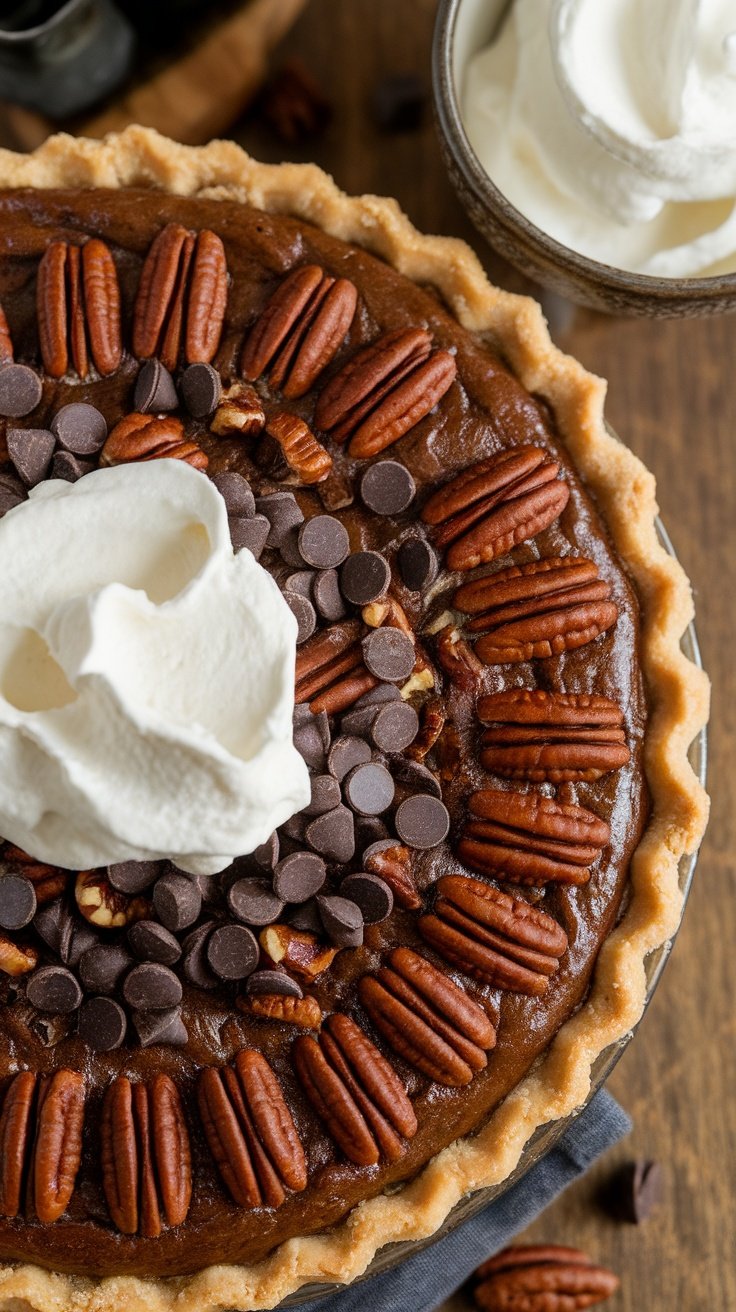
(678, 694)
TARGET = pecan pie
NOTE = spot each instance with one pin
(335, 1039)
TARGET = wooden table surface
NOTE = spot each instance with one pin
(672, 397)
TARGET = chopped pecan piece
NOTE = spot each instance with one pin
(427, 1019)
(250, 1132)
(145, 1156)
(296, 951)
(6, 341)
(393, 865)
(78, 308)
(239, 412)
(16, 959)
(330, 672)
(524, 838)
(181, 297)
(555, 737)
(495, 504)
(149, 437)
(529, 612)
(277, 1007)
(355, 1091)
(103, 906)
(48, 881)
(432, 722)
(41, 1140)
(302, 452)
(384, 390)
(493, 937)
(542, 1278)
(457, 659)
(300, 330)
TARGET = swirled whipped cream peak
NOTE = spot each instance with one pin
(146, 676)
(611, 124)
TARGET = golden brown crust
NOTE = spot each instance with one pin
(678, 695)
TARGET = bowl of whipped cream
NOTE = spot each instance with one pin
(593, 143)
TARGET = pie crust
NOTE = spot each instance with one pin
(678, 695)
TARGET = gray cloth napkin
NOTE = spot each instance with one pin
(420, 1283)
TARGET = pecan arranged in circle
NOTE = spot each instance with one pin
(78, 308)
(250, 1132)
(385, 390)
(555, 737)
(528, 839)
(182, 294)
(145, 1156)
(427, 1019)
(302, 452)
(330, 671)
(355, 1092)
(300, 330)
(529, 612)
(542, 1278)
(493, 937)
(6, 341)
(41, 1142)
(496, 504)
(148, 437)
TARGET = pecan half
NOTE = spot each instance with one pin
(145, 1156)
(457, 659)
(239, 413)
(250, 1132)
(493, 937)
(355, 1091)
(528, 612)
(330, 672)
(302, 452)
(528, 839)
(103, 906)
(6, 341)
(558, 737)
(542, 1278)
(427, 1019)
(41, 1139)
(384, 390)
(300, 330)
(182, 294)
(287, 1011)
(78, 308)
(393, 865)
(495, 504)
(148, 437)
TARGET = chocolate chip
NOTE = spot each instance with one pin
(395, 726)
(300, 582)
(30, 450)
(83, 937)
(360, 721)
(153, 942)
(69, 467)
(305, 917)
(155, 392)
(289, 549)
(389, 654)
(398, 102)
(200, 389)
(283, 514)
(152, 987)
(79, 428)
(236, 493)
(371, 894)
(323, 542)
(345, 753)
(273, 981)
(251, 533)
(333, 835)
(387, 488)
(369, 789)
(380, 845)
(132, 877)
(20, 390)
(364, 577)
(325, 794)
(178, 902)
(254, 901)
(102, 1024)
(416, 776)
(12, 492)
(299, 876)
(17, 901)
(52, 988)
(418, 564)
(342, 920)
(267, 854)
(383, 692)
(208, 885)
(160, 1027)
(232, 951)
(637, 1190)
(422, 821)
(55, 925)
(194, 962)
(304, 613)
(309, 742)
(369, 829)
(327, 595)
(102, 967)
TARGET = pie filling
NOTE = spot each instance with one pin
(196, 1068)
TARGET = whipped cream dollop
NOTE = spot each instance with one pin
(611, 124)
(146, 676)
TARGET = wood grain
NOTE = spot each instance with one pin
(672, 398)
